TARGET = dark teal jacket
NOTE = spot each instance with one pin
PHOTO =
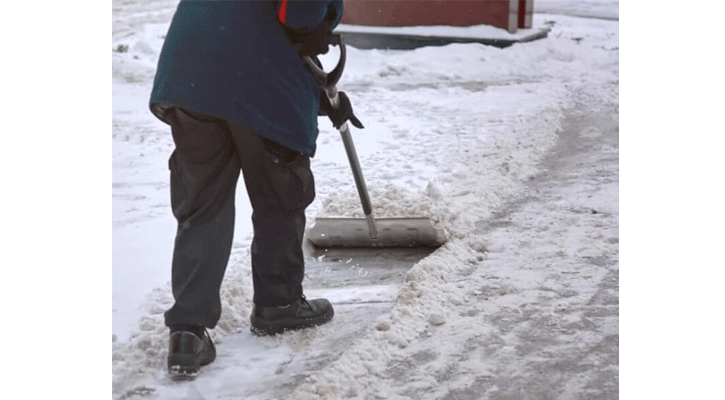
(232, 60)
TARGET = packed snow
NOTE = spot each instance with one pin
(513, 152)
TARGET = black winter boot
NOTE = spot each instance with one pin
(300, 314)
(188, 351)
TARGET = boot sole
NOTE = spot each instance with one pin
(180, 372)
(185, 365)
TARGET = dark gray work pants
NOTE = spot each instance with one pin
(205, 167)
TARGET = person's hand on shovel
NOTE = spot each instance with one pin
(342, 113)
(310, 45)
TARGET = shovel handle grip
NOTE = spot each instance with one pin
(325, 79)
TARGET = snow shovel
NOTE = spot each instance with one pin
(368, 232)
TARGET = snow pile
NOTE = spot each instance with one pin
(144, 354)
(472, 183)
(423, 307)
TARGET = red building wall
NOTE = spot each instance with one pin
(506, 14)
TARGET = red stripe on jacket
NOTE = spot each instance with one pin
(283, 12)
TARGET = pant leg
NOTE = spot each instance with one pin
(280, 187)
(204, 172)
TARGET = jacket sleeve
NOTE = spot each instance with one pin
(304, 15)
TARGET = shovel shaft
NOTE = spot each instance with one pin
(328, 83)
(351, 232)
(359, 179)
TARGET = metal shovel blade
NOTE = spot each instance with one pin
(392, 232)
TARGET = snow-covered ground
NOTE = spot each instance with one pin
(513, 152)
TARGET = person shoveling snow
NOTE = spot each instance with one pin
(231, 84)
